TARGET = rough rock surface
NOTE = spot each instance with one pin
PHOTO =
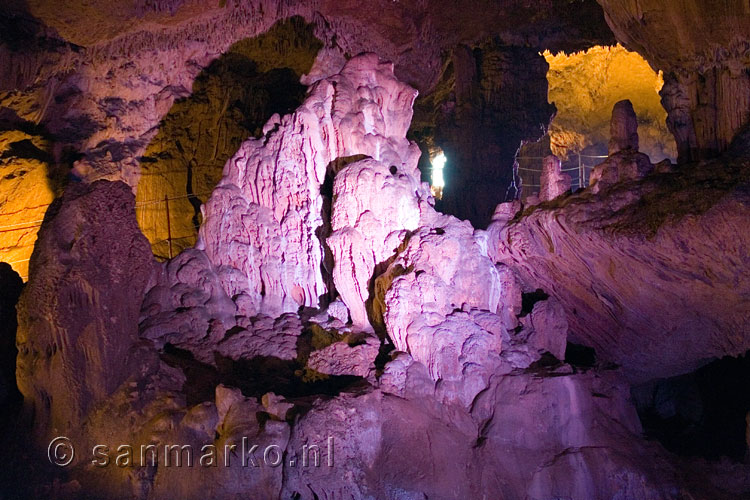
(553, 182)
(549, 328)
(702, 49)
(651, 274)
(623, 166)
(581, 449)
(587, 452)
(341, 358)
(91, 276)
(266, 215)
(187, 307)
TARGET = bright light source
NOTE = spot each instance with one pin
(438, 182)
(437, 170)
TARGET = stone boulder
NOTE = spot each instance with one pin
(78, 315)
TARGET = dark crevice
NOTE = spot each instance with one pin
(529, 299)
(704, 413)
(580, 355)
(262, 374)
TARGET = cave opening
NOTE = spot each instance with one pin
(230, 101)
(488, 100)
(705, 413)
(584, 87)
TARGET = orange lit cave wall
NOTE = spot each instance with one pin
(26, 190)
(584, 86)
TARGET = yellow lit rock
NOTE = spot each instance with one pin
(25, 195)
(586, 85)
(230, 102)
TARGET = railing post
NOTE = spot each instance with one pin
(581, 177)
(169, 227)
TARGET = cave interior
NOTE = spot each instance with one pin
(393, 249)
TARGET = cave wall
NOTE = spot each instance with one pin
(490, 100)
(702, 47)
(585, 86)
(108, 86)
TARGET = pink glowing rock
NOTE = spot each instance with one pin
(334, 446)
(375, 206)
(189, 307)
(630, 269)
(442, 267)
(264, 217)
(461, 350)
(276, 405)
(553, 181)
(406, 378)
(340, 358)
(338, 310)
(549, 328)
(511, 296)
(506, 211)
(439, 298)
(262, 336)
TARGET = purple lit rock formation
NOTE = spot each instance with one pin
(553, 181)
(264, 222)
(631, 268)
(327, 311)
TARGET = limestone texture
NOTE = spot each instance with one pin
(321, 329)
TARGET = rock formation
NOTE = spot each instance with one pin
(623, 128)
(553, 181)
(95, 273)
(374, 210)
(706, 86)
(630, 267)
(264, 224)
(625, 163)
(331, 334)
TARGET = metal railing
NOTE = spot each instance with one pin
(139, 206)
(580, 173)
